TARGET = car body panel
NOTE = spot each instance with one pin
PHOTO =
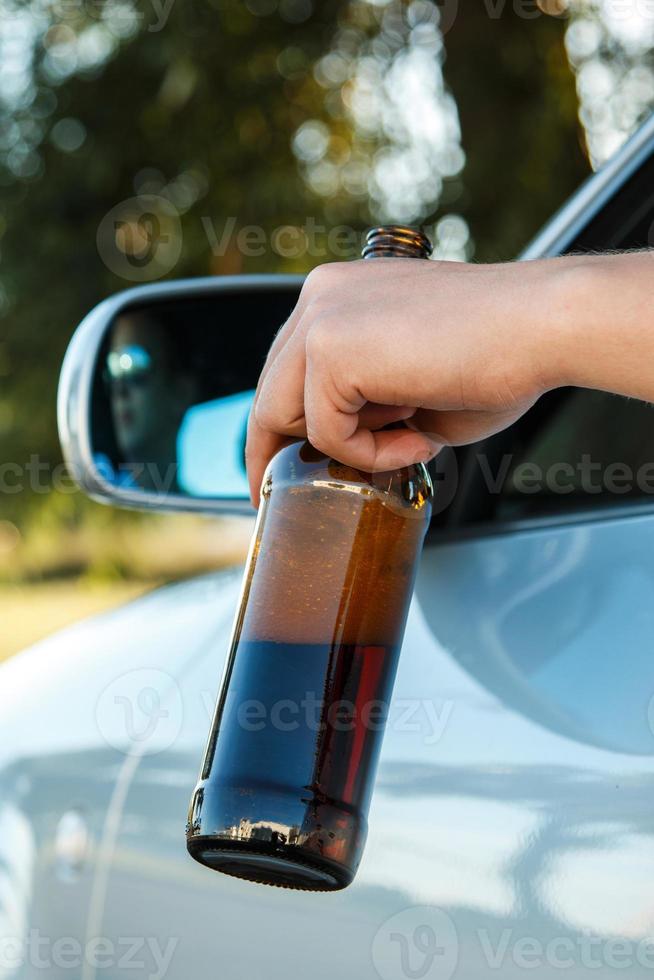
(511, 824)
(496, 809)
(69, 749)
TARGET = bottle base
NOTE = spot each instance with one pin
(285, 870)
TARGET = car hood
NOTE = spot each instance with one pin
(52, 695)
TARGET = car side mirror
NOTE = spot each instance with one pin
(156, 387)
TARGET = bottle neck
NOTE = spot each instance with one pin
(397, 241)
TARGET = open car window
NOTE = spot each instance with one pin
(594, 448)
(576, 452)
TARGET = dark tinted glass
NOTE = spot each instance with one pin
(172, 391)
(593, 449)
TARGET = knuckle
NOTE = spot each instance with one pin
(322, 279)
(313, 285)
(319, 339)
(324, 273)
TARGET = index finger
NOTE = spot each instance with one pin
(261, 445)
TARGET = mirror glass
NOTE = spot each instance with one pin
(173, 385)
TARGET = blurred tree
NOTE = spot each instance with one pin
(518, 109)
(204, 104)
(200, 113)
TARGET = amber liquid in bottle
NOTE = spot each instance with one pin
(289, 769)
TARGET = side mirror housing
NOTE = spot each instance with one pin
(156, 387)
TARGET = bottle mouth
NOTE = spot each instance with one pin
(267, 868)
(397, 241)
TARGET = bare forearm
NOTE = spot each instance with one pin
(604, 337)
(458, 351)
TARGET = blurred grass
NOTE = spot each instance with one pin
(53, 574)
(31, 612)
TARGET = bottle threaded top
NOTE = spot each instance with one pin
(397, 241)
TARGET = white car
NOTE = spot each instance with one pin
(512, 826)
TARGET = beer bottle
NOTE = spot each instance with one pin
(289, 769)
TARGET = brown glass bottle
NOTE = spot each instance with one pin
(289, 769)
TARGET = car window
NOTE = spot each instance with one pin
(578, 449)
(592, 449)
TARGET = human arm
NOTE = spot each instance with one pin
(459, 351)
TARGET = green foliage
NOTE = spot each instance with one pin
(518, 110)
(203, 112)
(202, 100)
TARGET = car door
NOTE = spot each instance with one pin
(512, 827)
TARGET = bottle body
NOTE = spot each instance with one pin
(289, 768)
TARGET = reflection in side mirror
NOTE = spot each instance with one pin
(157, 386)
(166, 416)
(221, 424)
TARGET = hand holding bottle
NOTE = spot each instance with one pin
(458, 350)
